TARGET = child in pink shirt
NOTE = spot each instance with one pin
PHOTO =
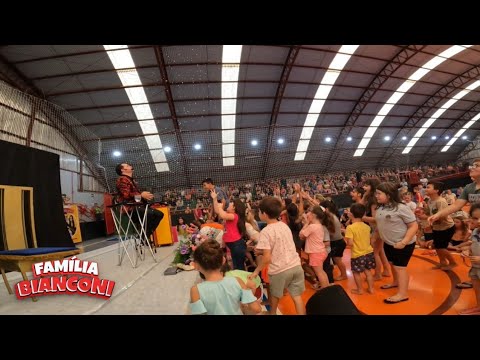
(313, 233)
(277, 248)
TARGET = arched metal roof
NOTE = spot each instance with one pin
(359, 93)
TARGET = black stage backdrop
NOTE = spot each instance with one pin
(24, 166)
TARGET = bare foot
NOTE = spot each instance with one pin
(371, 291)
(357, 291)
(340, 278)
(471, 311)
(397, 297)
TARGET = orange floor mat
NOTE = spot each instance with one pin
(431, 292)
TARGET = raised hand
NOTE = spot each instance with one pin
(213, 194)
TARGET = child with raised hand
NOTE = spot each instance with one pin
(362, 260)
(218, 295)
(314, 233)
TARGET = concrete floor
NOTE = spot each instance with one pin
(143, 290)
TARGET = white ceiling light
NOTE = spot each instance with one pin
(148, 127)
(153, 141)
(137, 95)
(387, 138)
(280, 141)
(323, 90)
(231, 56)
(439, 113)
(464, 137)
(125, 67)
(299, 156)
(307, 132)
(254, 142)
(160, 167)
(404, 138)
(228, 149)
(328, 139)
(349, 138)
(167, 149)
(447, 137)
(158, 155)
(302, 145)
(402, 89)
(117, 153)
(197, 146)
(228, 161)
(434, 137)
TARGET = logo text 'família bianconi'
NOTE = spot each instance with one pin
(67, 276)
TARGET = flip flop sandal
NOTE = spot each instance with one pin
(464, 285)
(316, 286)
(389, 301)
(388, 286)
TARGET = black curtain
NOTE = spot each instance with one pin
(24, 166)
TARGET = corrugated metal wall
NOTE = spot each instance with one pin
(33, 122)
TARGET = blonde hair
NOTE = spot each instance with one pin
(459, 217)
(462, 219)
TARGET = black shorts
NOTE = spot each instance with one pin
(456, 242)
(441, 238)
(428, 236)
(399, 257)
(337, 247)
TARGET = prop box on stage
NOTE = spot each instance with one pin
(163, 234)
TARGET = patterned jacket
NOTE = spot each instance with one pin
(127, 188)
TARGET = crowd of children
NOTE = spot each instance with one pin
(301, 235)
